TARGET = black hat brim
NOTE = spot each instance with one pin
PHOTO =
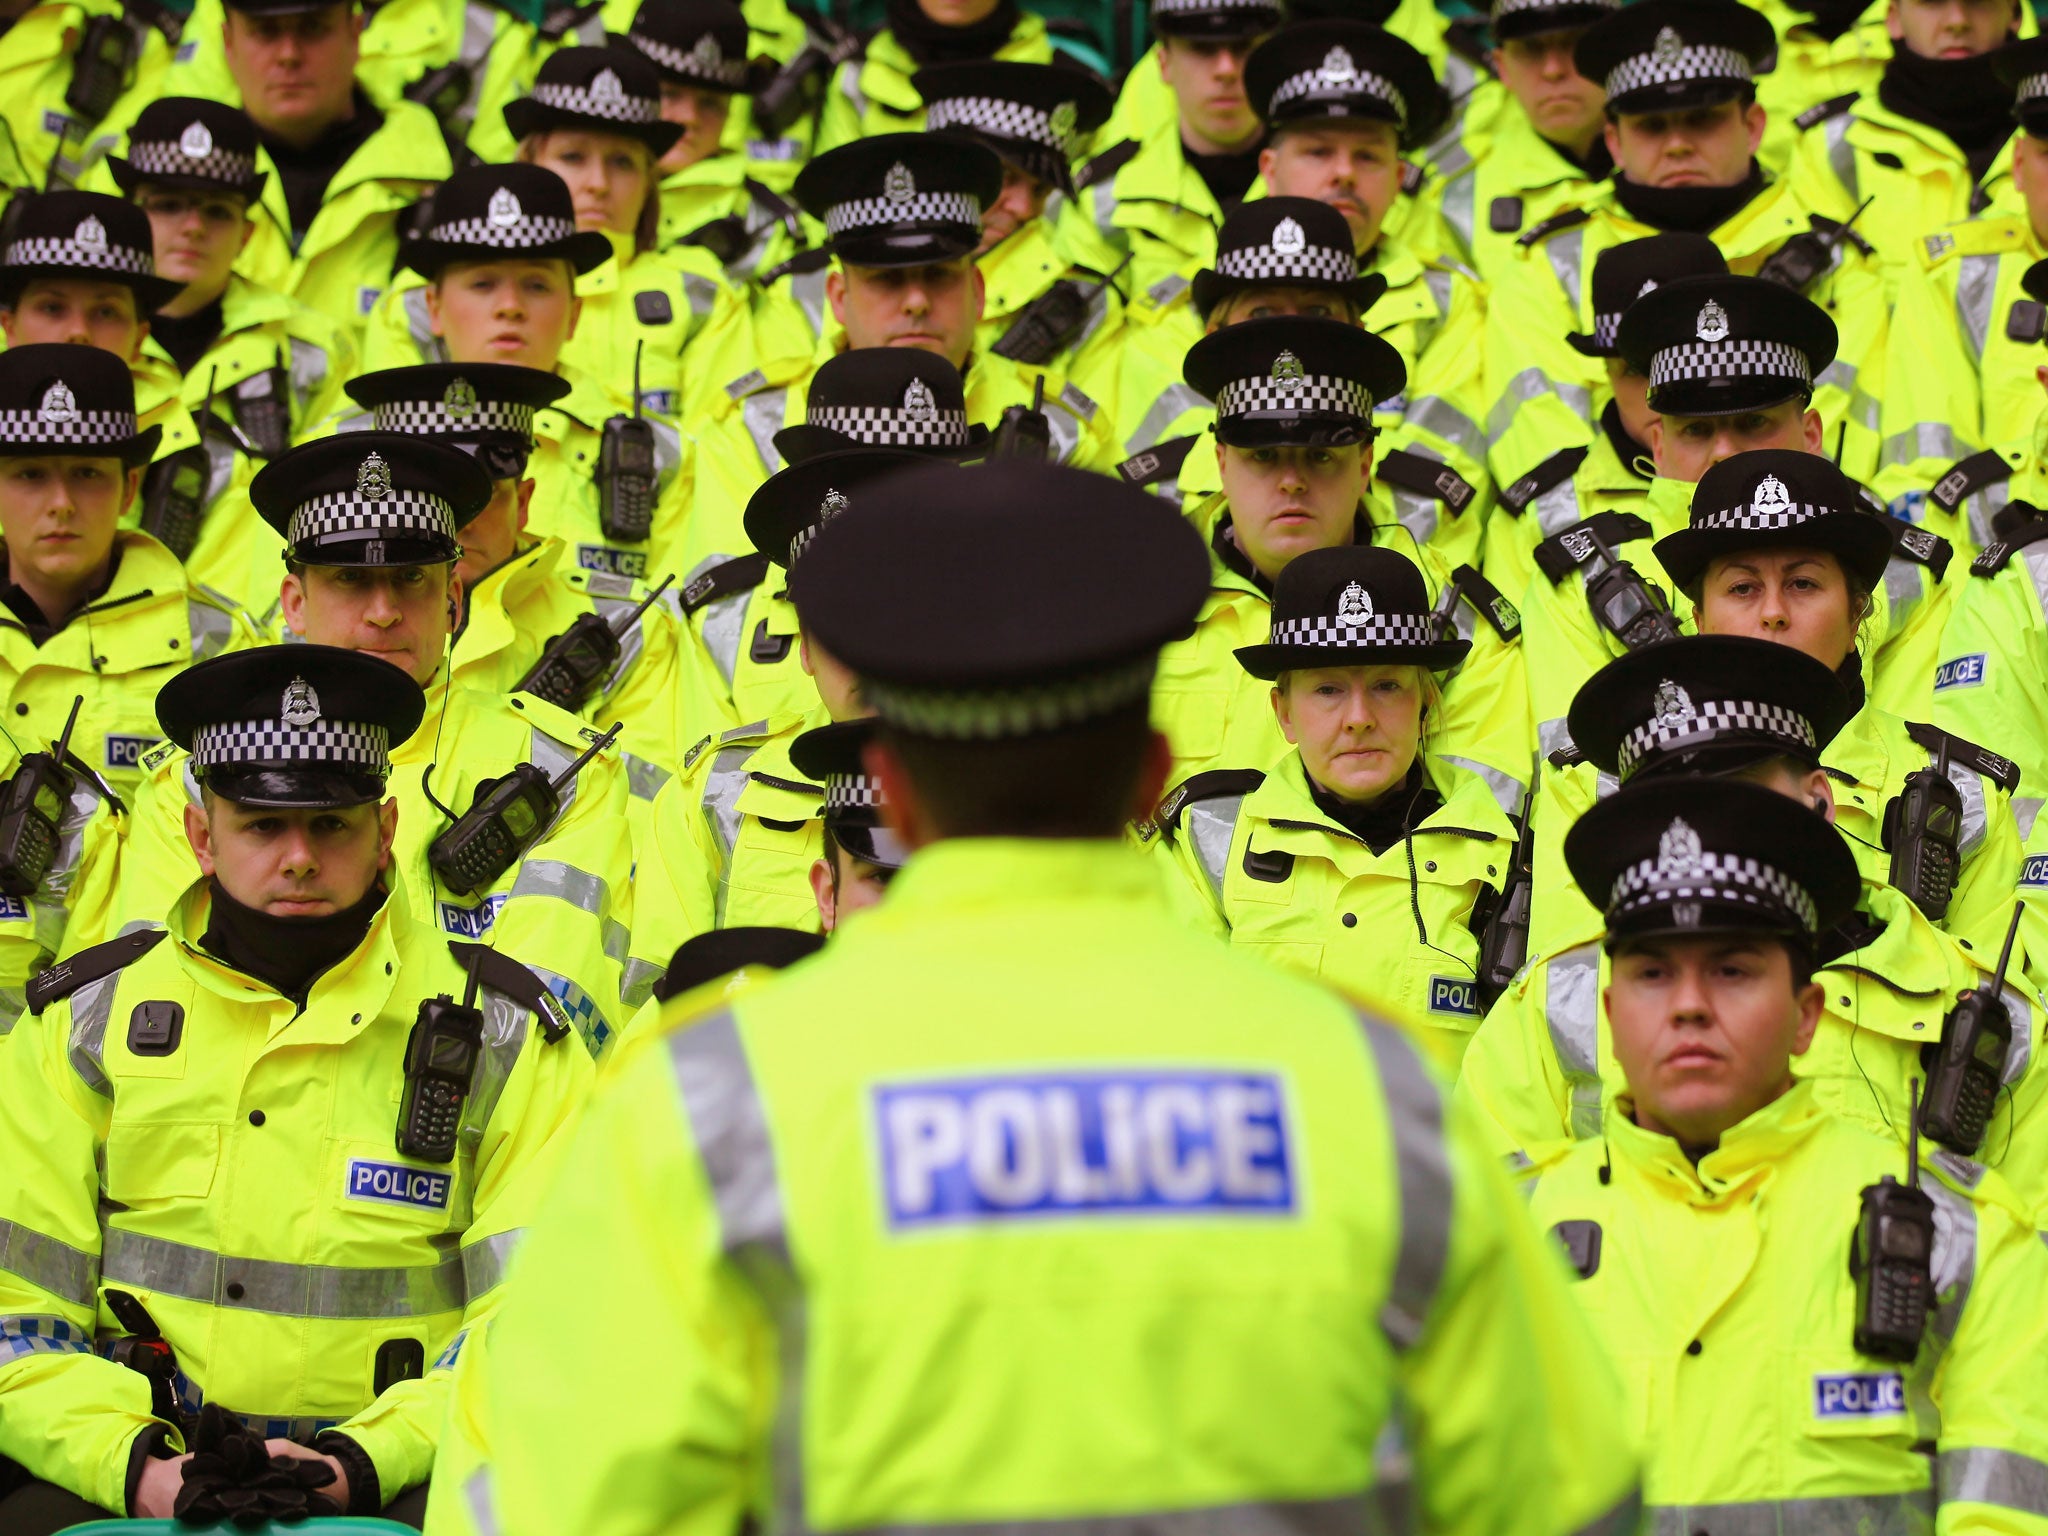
(585, 251)
(1211, 288)
(870, 842)
(1586, 346)
(127, 178)
(905, 246)
(133, 452)
(1269, 661)
(802, 442)
(1862, 541)
(1220, 26)
(151, 293)
(293, 786)
(1550, 18)
(526, 117)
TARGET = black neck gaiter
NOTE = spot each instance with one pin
(1692, 210)
(1228, 176)
(188, 337)
(1625, 447)
(1388, 819)
(928, 42)
(287, 953)
(1961, 98)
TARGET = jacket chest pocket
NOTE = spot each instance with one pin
(150, 1160)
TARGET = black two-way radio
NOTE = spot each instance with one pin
(1504, 941)
(440, 1060)
(1892, 1257)
(174, 489)
(1966, 1066)
(31, 812)
(507, 817)
(1024, 432)
(1923, 829)
(583, 655)
(1631, 609)
(625, 471)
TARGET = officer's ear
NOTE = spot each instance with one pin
(199, 833)
(1268, 158)
(525, 501)
(387, 830)
(835, 292)
(454, 596)
(1811, 432)
(575, 316)
(980, 292)
(1820, 793)
(824, 891)
(291, 602)
(1811, 1001)
(131, 487)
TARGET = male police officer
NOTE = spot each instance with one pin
(316, 1170)
(1098, 1182)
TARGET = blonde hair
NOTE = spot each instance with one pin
(647, 227)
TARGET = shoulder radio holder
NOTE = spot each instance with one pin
(1967, 1065)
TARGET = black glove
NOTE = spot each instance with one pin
(232, 1477)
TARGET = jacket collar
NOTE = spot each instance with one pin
(982, 877)
(1745, 1162)
(372, 967)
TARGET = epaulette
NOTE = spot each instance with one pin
(89, 965)
(1821, 111)
(690, 757)
(497, 970)
(1567, 756)
(1488, 601)
(2002, 771)
(1106, 164)
(1425, 477)
(1928, 549)
(1162, 461)
(1969, 477)
(1562, 553)
(1548, 475)
(740, 575)
(1973, 237)
(1213, 784)
(1412, 177)
(2010, 541)
(1571, 218)
(559, 21)
(156, 755)
(801, 264)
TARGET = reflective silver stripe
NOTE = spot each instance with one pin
(617, 941)
(283, 1290)
(1066, 431)
(1873, 1514)
(1955, 1255)
(808, 289)
(2036, 556)
(555, 757)
(1553, 735)
(762, 415)
(211, 629)
(1210, 825)
(13, 1003)
(1418, 514)
(849, 86)
(1558, 508)
(504, 1038)
(638, 984)
(563, 882)
(723, 782)
(1507, 789)
(1353, 1516)
(1174, 402)
(1531, 384)
(479, 31)
(483, 1503)
(68, 1273)
(1571, 1009)
(1863, 407)
(1625, 1519)
(1902, 591)
(1433, 413)
(1841, 153)
(1566, 252)
(1459, 200)
(2025, 810)
(632, 641)
(1984, 508)
(1415, 1115)
(29, 1334)
(484, 1261)
(1935, 440)
(2021, 1011)
(1976, 814)
(644, 779)
(699, 294)
(309, 367)
(1979, 1475)
(1976, 279)
(90, 1005)
(419, 325)
(575, 1008)
(721, 623)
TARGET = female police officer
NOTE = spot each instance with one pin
(1357, 855)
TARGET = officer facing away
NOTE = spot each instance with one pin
(1028, 1308)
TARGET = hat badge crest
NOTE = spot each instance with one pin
(835, 502)
(918, 404)
(459, 399)
(301, 706)
(1337, 68)
(1289, 238)
(607, 87)
(1288, 373)
(706, 54)
(1649, 286)
(1771, 498)
(898, 185)
(1668, 48)
(1712, 324)
(1064, 118)
(503, 210)
(1679, 856)
(91, 232)
(195, 143)
(373, 478)
(1672, 706)
(59, 404)
(1354, 606)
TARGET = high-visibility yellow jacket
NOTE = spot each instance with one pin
(37, 67)
(1160, 1332)
(244, 1186)
(1496, 179)
(1723, 1293)
(746, 663)
(1812, 69)
(1986, 685)
(871, 92)
(79, 884)
(1141, 197)
(723, 187)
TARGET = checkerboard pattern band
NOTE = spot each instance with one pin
(1748, 518)
(801, 540)
(85, 429)
(168, 159)
(994, 714)
(1001, 119)
(729, 74)
(1210, 7)
(851, 792)
(881, 426)
(1717, 877)
(1310, 264)
(1606, 330)
(2032, 88)
(1728, 359)
(396, 514)
(1716, 717)
(1361, 82)
(529, 232)
(918, 208)
(620, 108)
(432, 418)
(1382, 629)
(1294, 397)
(1707, 61)
(1515, 7)
(247, 743)
(40, 252)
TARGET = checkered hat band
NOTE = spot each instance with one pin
(1390, 629)
(993, 714)
(918, 208)
(86, 429)
(730, 73)
(1363, 82)
(1208, 7)
(527, 233)
(1704, 62)
(38, 252)
(1606, 330)
(886, 427)
(1310, 264)
(1726, 359)
(1294, 397)
(634, 110)
(1748, 519)
(430, 418)
(342, 743)
(224, 166)
(399, 513)
(1002, 119)
(1717, 877)
(1515, 7)
(852, 792)
(2032, 87)
(1713, 718)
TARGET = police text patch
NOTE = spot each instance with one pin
(1449, 994)
(1859, 1395)
(126, 751)
(1034, 1145)
(2034, 870)
(471, 922)
(1961, 672)
(396, 1184)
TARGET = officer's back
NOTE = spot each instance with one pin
(1047, 1208)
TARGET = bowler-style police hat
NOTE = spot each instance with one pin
(884, 397)
(84, 237)
(2023, 65)
(297, 726)
(1668, 55)
(1217, 20)
(1779, 498)
(371, 498)
(786, 511)
(1358, 606)
(1718, 346)
(831, 755)
(485, 409)
(1320, 71)
(901, 199)
(695, 42)
(1290, 379)
(1526, 18)
(595, 90)
(1635, 269)
(60, 398)
(190, 141)
(1035, 116)
(503, 212)
(1290, 242)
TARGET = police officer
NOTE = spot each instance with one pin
(69, 69)
(1294, 401)
(862, 853)
(1011, 755)
(318, 1170)
(1878, 1342)
(1361, 831)
(369, 523)
(92, 610)
(873, 91)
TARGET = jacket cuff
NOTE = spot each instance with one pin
(365, 1495)
(147, 1446)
